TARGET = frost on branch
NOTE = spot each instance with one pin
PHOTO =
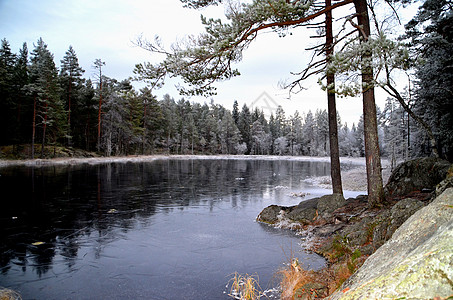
(200, 61)
(386, 55)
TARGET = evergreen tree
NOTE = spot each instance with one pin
(22, 102)
(45, 90)
(7, 91)
(71, 83)
(168, 107)
(152, 119)
(236, 112)
(308, 135)
(98, 65)
(85, 129)
(244, 125)
(432, 40)
(322, 132)
(294, 137)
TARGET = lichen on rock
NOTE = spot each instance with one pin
(416, 263)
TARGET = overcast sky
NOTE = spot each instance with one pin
(106, 29)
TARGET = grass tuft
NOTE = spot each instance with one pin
(7, 294)
(245, 287)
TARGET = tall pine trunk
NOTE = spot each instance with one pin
(99, 114)
(335, 172)
(44, 128)
(69, 113)
(33, 129)
(372, 154)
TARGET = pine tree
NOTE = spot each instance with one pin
(152, 119)
(432, 40)
(244, 125)
(308, 135)
(22, 102)
(7, 93)
(98, 65)
(236, 112)
(71, 82)
(45, 90)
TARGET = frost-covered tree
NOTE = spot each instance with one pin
(430, 33)
(260, 139)
(294, 137)
(394, 123)
(168, 107)
(308, 135)
(322, 132)
(244, 124)
(98, 65)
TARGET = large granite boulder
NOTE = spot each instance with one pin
(416, 263)
(327, 204)
(416, 175)
(305, 212)
(270, 215)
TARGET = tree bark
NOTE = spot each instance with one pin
(99, 112)
(372, 153)
(34, 129)
(44, 127)
(335, 171)
(69, 113)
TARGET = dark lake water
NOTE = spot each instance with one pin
(165, 229)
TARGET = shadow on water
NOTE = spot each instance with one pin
(159, 230)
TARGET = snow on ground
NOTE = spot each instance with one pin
(354, 177)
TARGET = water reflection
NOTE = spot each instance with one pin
(127, 222)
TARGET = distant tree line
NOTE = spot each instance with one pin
(43, 104)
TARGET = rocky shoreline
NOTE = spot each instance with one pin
(348, 232)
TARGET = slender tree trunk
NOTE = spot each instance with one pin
(34, 130)
(44, 127)
(335, 172)
(99, 114)
(144, 126)
(372, 153)
(69, 113)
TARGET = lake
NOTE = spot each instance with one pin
(163, 229)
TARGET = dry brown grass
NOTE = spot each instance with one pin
(7, 294)
(309, 284)
(245, 287)
(294, 277)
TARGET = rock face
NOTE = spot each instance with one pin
(389, 221)
(446, 183)
(416, 175)
(416, 263)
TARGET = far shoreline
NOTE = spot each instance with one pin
(353, 178)
(147, 158)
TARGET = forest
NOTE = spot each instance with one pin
(42, 103)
